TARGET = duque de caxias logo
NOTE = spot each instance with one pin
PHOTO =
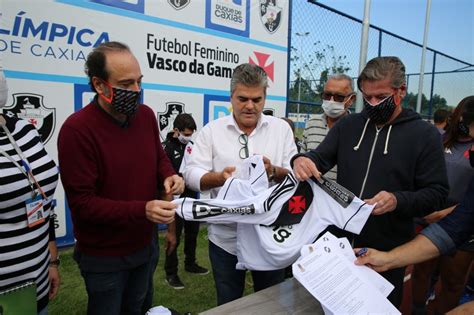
(30, 107)
(270, 15)
(179, 4)
(166, 118)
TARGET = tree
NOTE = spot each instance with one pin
(437, 102)
(310, 73)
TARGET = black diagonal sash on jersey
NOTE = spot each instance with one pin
(343, 196)
(295, 208)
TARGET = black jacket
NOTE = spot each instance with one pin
(406, 158)
(175, 151)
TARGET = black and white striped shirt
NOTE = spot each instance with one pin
(24, 253)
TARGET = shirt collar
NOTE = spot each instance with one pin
(262, 122)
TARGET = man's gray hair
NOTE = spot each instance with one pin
(381, 68)
(249, 75)
(340, 77)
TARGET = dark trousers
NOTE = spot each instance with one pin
(395, 277)
(155, 255)
(120, 292)
(191, 230)
(230, 282)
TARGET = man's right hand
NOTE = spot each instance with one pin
(377, 260)
(159, 211)
(227, 172)
(304, 168)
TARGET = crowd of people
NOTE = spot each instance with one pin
(120, 180)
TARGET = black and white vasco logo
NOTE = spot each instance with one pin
(30, 107)
(270, 15)
(203, 210)
(179, 4)
(166, 118)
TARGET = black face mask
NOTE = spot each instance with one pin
(463, 129)
(122, 100)
(380, 113)
(125, 101)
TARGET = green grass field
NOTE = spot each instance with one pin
(197, 296)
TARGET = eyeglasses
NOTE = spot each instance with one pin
(337, 97)
(244, 151)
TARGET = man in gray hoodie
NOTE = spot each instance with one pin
(386, 155)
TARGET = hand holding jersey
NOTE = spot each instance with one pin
(304, 168)
(159, 211)
(384, 202)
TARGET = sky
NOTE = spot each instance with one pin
(451, 32)
(451, 28)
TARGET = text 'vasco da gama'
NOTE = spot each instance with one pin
(189, 49)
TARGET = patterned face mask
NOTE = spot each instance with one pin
(381, 112)
(123, 101)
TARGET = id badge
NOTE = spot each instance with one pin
(35, 211)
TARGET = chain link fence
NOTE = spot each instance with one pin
(326, 41)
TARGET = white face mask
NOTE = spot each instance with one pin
(3, 90)
(184, 139)
(333, 109)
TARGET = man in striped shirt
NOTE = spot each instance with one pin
(338, 96)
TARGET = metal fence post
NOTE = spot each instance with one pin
(432, 85)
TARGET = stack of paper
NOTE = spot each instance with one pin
(326, 269)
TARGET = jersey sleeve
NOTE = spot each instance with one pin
(262, 208)
(341, 207)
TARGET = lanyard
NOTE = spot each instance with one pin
(24, 168)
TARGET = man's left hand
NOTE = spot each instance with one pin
(385, 202)
(174, 185)
(54, 281)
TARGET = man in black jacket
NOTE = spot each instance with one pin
(386, 155)
(176, 142)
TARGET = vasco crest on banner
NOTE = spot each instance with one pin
(30, 107)
(270, 15)
(179, 4)
(166, 118)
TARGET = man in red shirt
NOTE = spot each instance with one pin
(112, 165)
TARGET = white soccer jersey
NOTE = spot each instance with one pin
(273, 224)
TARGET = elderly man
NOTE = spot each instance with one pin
(338, 95)
(217, 154)
(386, 155)
(112, 164)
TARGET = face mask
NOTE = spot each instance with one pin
(463, 129)
(184, 139)
(123, 101)
(380, 113)
(3, 90)
(333, 109)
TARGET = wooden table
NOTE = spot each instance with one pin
(288, 297)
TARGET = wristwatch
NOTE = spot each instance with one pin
(54, 263)
(272, 175)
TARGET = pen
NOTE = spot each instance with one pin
(362, 252)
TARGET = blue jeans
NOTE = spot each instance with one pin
(230, 282)
(121, 292)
